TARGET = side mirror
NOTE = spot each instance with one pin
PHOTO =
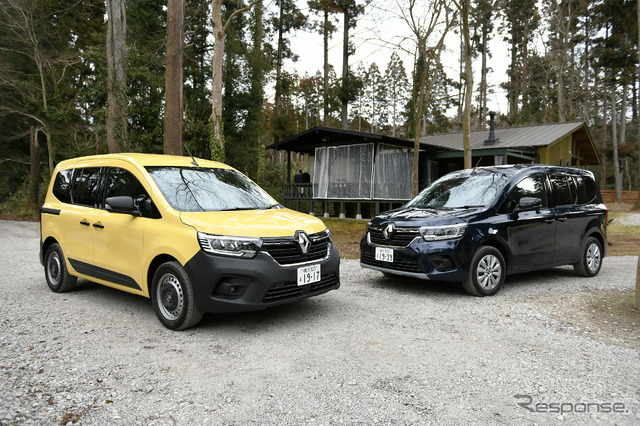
(528, 204)
(122, 204)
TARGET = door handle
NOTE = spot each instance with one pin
(84, 222)
(98, 225)
(561, 219)
(549, 221)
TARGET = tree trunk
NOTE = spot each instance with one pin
(325, 69)
(483, 81)
(614, 137)
(215, 122)
(173, 78)
(278, 95)
(418, 117)
(466, 118)
(116, 79)
(34, 154)
(637, 204)
(344, 114)
(605, 135)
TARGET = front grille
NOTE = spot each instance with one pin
(397, 264)
(292, 290)
(400, 237)
(287, 251)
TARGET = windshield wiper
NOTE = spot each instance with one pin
(273, 206)
(468, 207)
(237, 208)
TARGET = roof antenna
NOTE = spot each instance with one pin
(193, 160)
(476, 166)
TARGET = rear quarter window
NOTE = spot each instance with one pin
(586, 188)
(62, 185)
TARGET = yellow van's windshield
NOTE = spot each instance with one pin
(199, 189)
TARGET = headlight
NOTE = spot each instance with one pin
(229, 246)
(434, 233)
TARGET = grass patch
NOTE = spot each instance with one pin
(623, 240)
(347, 234)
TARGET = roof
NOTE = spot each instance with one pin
(307, 141)
(140, 159)
(519, 137)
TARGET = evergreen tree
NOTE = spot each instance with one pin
(146, 46)
(397, 84)
(326, 28)
(289, 18)
(521, 21)
(197, 103)
(349, 85)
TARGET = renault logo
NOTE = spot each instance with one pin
(303, 241)
(388, 231)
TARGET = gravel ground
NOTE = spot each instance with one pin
(632, 219)
(378, 350)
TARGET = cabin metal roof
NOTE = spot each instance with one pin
(519, 137)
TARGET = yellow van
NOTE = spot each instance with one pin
(193, 235)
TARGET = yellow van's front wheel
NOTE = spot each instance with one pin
(172, 297)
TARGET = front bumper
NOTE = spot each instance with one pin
(433, 260)
(226, 284)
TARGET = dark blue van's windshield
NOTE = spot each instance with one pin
(191, 189)
(461, 190)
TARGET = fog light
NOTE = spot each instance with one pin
(230, 289)
(442, 262)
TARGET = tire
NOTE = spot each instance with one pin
(486, 273)
(172, 297)
(590, 259)
(56, 272)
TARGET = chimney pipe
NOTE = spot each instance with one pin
(492, 140)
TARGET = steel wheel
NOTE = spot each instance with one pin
(170, 296)
(173, 297)
(55, 270)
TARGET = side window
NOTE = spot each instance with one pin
(85, 188)
(563, 191)
(532, 186)
(586, 189)
(62, 185)
(121, 182)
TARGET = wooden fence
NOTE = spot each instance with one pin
(609, 195)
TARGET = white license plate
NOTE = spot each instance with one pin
(384, 254)
(308, 274)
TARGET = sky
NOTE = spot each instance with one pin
(377, 35)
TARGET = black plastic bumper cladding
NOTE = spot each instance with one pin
(227, 284)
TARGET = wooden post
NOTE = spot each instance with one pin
(637, 301)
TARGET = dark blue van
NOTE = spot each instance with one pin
(475, 226)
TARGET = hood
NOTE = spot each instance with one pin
(410, 216)
(253, 223)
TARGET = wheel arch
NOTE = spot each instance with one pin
(48, 242)
(498, 245)
(598, 236)
(153, 267)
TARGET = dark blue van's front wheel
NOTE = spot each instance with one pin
(487, 272)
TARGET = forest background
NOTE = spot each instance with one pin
(220, 78)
